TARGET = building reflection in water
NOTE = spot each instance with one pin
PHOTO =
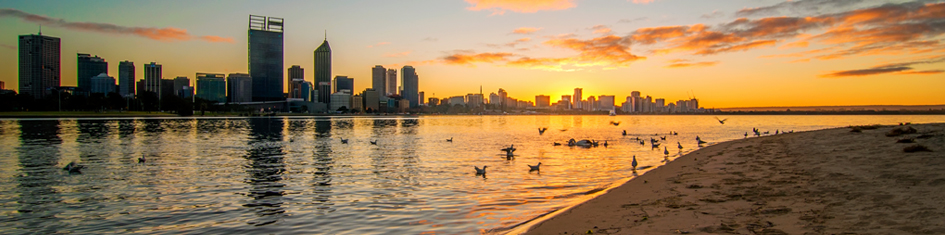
(40, 175)
(265, 169)
(321, 178)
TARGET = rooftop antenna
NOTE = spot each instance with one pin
(40, 30)
(326, 35)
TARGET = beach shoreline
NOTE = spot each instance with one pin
(817, 182)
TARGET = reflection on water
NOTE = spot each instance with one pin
(293, 175)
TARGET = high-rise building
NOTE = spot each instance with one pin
(379, 79)
(343, 83)
(152, 78)
(212, 87)
(542, 101)
(420, 98)
(566, 100)
(323, 71)
(295, 72)
(102, 83)
(295, 89)
(88, 66)
(371, 99)
(167, 88)
(577, 98)
(179, 83)
(340, 99)
(473, 100)
(306, 89)
(391, 83)
(126, 78)
(266, 57)
(239, 88)
(357, 103)
(606, 102)
(39, 64)
(410, 85)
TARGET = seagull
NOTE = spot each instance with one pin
(655, 145)
(746, 134)
(563, 130)
(663, 138)
(680, 145)
(665, 150)
(344, 141)
(642, 142)
(722, 121)
(557, 144)
(614, 123)
(624, 132)
(73, 167)
(450, 139)
(701, 142)
(509, 149)
(697, 138)
(542, 130)
(531, 168)
(141, 159)
(374, 142)
(480, 171)
(634, 163)
(776, 132)
(605, 143)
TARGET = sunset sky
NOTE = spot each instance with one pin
(730, 53)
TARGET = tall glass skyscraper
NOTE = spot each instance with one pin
(410, 85)
(126, 78)
(379, 79)
(323, 71)
(266, 57)
(39, 64)
(88, 66)
(344, 83)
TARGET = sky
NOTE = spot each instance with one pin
(730, 53)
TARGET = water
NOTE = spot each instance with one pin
(293, 175)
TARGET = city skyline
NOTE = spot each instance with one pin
(798, 58)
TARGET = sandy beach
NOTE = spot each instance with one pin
(820, 182)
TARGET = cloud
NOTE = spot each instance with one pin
(714, 14)
(895, 68)
(499, 7)
(813, 6)
(401, 54)
(525, 30)
(168, 34)
(11, 47)
(864, 72)
(926, 72)
(429, 39)
(378, 44)
(469, 59)
(642, 1)
(633, 20)
(601, 29)
(682, 64)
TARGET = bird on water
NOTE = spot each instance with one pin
(634, 163)
(530, 167)
(721, 121)
(480, 171)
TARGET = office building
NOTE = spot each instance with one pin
(371, 100)
(343, 83)
(391, 83)
(295, 73)
(473, 100)
(457, 100)
(239, 88)
(152, 78)
(577, 98)
(102, 84)
(323, 71)
(410, 84)
(420, 98)
(295, 89)
(357, 103)
(179, 83)
(606, 102)
(433, 101)
(212, 87)
(340, 99)
(542, 101)
(167, 88)
(126, 78)
(87, 67)
(266, 57)
(306, 89)
(379, 79)
(39, 64)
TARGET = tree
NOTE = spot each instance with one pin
(149, 100)
(115, 101)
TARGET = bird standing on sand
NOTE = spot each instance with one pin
(614, 123)
(450, 139)
(746, 134)
(721, 121)
(531, 168)
(679, 145)
(480, 171)
(374, 142)
(557, 144)
(344, 141)
(700, 141)
(624, 132)
(665, 150)
(542, 130)
(634, 162)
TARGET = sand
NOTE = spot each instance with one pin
(820, 182)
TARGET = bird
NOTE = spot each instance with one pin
(642, 142)
(665, 150)
(721, 121)
(344, 141)
(679, 145)
(563, 130)
(141, 159)
(533, 168)
(614, 123)
(557, 144)
(624, 132)
(655, 145)
(510, 149)
(700, 141)
(634, 163)
(663, 138)
(542, 130)
(73, 167)
(746, 134)
(450, 139)
(480, 171)
(605, 143)
(776, 131)
(374, 142)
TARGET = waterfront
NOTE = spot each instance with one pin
(294, 175)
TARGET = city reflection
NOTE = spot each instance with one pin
(265, 169)
(323, 162)
(39, 157)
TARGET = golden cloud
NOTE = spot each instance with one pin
(160, 34)
(525, 30)
(499, 7)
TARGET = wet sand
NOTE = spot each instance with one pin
(821, 182)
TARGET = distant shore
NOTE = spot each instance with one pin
(91, 114)
(819, 182)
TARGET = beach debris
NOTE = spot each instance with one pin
(908, 140)
(901, 131)
(916, 148)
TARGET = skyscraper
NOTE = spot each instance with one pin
(344, 83)
(577, 98)
(266, 57)
(126, 78)
(179, 84)
(212, 87)
(88, 66)
(391, 88)
(410, 84)
(542, 101)
(239, 88)
(295, 72)
(378, 80)
(39, 64)
(152, 78)
(323, 71)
